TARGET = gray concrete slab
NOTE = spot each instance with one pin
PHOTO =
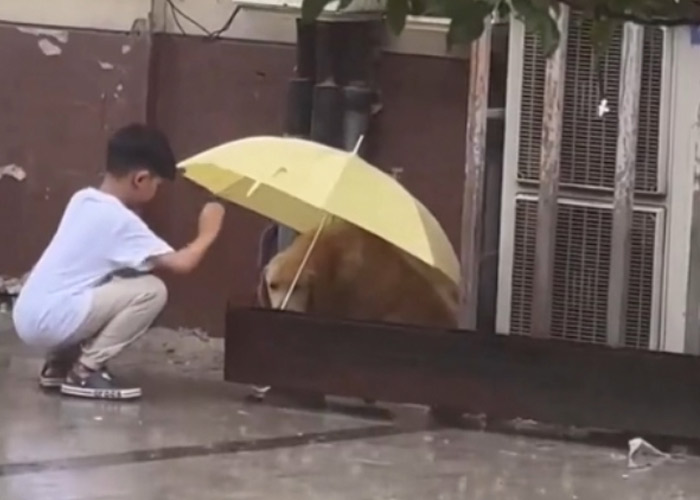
(185, 403)
(193, 437)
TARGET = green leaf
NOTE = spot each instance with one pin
(556, 7)
(549, 36)
(467, 20)
(418, 7)
(542, 4)
(503, 9)
(463, 31)
(396, 12)
(601, 33)
(538, 20)
(311, 9)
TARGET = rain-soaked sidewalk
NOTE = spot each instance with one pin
(192, 437)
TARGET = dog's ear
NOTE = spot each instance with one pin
(263, 296)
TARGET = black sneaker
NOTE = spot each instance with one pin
(97, 385)
(57, 366)
(53, 374)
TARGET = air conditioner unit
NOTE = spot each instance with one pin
(582, 268)
(587, 166)
(589, 142)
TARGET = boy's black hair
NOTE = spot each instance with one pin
(139, 146)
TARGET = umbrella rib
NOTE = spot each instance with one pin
(304, 262)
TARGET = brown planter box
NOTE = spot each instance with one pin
(504, 377)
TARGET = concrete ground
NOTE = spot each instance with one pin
(193, 437)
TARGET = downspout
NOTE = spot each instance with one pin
(300, 99)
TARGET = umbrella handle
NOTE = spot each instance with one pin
(303, 262)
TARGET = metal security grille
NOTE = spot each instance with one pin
(581, 271)
(588, 142)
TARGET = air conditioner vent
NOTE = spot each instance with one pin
(581, 272)
(588, 142)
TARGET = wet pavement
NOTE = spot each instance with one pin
(193, 436)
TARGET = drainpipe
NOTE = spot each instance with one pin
(333, 93)
(357, 116)
(300, 102)
(359, 58)
(327, 112)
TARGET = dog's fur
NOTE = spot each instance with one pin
(352, 274)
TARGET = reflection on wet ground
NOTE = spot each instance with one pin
(194, 437)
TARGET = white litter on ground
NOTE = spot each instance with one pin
(642, 454)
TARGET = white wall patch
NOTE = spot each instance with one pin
(14, 171)
(60, 36)
(49, 48)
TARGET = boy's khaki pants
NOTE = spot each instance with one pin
(122, 310)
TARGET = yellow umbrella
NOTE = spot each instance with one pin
(299, 183)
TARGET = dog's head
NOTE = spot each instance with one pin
(276, 280)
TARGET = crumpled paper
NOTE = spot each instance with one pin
(642, 454)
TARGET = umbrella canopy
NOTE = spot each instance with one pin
(298, 183)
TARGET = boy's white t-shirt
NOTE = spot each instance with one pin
(97, 236)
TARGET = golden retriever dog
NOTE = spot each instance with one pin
(352, 274)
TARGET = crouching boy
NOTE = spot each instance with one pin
(91, 293)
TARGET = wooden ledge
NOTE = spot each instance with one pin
(503, 377)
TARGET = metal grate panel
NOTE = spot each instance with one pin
(588, 142)
(581, 271)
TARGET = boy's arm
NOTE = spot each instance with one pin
(188, 258)
(140, 248)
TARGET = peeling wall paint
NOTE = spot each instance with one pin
(14, 171)
(49, 39)
(55, 126)
(49, 48)
(60, 36)
(118, 90)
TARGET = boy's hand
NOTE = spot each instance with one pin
(210, 220)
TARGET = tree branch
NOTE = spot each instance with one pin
(647, 12)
